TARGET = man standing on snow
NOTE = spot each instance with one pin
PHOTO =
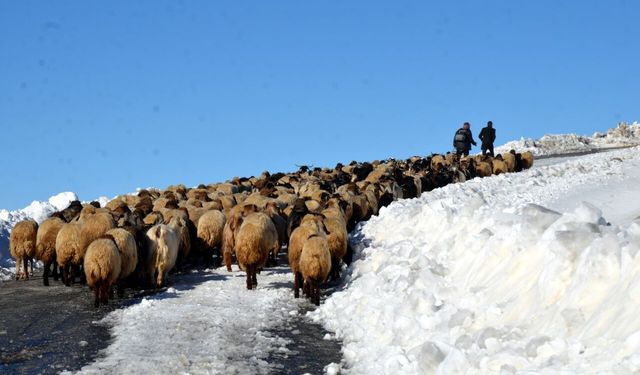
(488, 136)
(463, 140)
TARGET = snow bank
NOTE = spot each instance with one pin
(481, 278)
(620, 136)
(206, 323)
(37, 211)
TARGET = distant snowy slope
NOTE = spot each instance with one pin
(490, 276)
(620, 136)
(37, 211)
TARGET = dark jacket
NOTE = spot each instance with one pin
(487, 136)
(463, 139)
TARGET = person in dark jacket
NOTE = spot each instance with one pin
(463, 139)
(487, 136)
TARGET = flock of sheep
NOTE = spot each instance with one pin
(136, 240)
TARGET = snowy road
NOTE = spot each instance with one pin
(208, 322)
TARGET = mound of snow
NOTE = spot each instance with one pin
(620, 136)
(37, 211)
(480, 277)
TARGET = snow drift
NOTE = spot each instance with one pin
(480, 277)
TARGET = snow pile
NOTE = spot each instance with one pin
(481, 278)
(37, 211)
(620, 136)
(205, 323)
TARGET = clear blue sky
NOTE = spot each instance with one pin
(103, 97)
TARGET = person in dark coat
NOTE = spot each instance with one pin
(463, 139)
(487, 136)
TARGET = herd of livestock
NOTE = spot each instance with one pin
(136, 240)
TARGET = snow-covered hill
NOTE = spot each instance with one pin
(513, 273)
(623, 135)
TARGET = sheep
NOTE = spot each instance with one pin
(281, 227)
(499, 166)
(128, 250)
(93, 227)
(438, 162)
(527, 159)
(336, 227)
(315, 264)
(102, 267)
(163, 243)
(71, 212)
(179, 224)
(509, 159)
(72, 245)
(22, 246)
(483, 169)
(209, 233)
(46, 246)
(310, 225)
(68, 248)
(153, 218)
(256, 238)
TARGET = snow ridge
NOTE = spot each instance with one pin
(481, 278)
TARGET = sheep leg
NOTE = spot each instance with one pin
(83, 278)
(254, 279)
(96, 295)
(316, 292)
(105, 293)
(31, 261)
(45, 274)
(227, 259)
(296, 287)
(248, 271)
(18, 266)
(26, 270)
(65, 275)
(120, 286)
(55, 271)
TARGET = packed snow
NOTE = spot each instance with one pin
(624, 135)
(205, 323)
(508, 274)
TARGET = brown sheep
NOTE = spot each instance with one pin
(499, 166)
(311, 225)
(128, 250)
(510, 161)
(337, 237)
(22, 246)
(527, 160)
(46, 246)
(483, 169)
(102, 266)
(68, 248)
(280, 223)
(315, 264)
(256, 238)
(210, 233)
(231, 227)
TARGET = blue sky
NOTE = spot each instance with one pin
(103, 97)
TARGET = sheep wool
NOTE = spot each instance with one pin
(22, 246)
(102, 266)
(46, 245)
(162, 252)
(315, 264)
(127, 248)
(256, 238)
